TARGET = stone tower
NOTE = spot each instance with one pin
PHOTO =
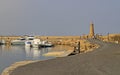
(91, 34)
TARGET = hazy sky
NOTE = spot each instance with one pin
(58, 17)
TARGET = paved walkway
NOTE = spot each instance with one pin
(102, 61)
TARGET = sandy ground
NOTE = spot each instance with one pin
(59, 53)
(102, 61)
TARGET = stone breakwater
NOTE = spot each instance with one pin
(85, 46)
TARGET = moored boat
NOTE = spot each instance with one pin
(2, 42)
(28, 44)
(22, 40)
(46, 44)
(36, 43)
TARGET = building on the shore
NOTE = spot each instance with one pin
(91, 33)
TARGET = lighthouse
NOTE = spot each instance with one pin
(91, 33)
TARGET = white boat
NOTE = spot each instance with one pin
(28, 44)
(46, 44)
(2, 42)
(22, 40)
(29, 41)
(36, 43)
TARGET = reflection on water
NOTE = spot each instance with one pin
(12, 54)
(32, 52)
(35, 53)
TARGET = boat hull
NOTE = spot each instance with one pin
(18, 43)
(47, 45)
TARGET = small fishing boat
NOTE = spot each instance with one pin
(46, 44)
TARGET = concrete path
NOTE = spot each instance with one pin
(102, 61)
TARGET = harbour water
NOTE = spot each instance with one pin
(12, 54)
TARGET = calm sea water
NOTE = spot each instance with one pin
(12, 54)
